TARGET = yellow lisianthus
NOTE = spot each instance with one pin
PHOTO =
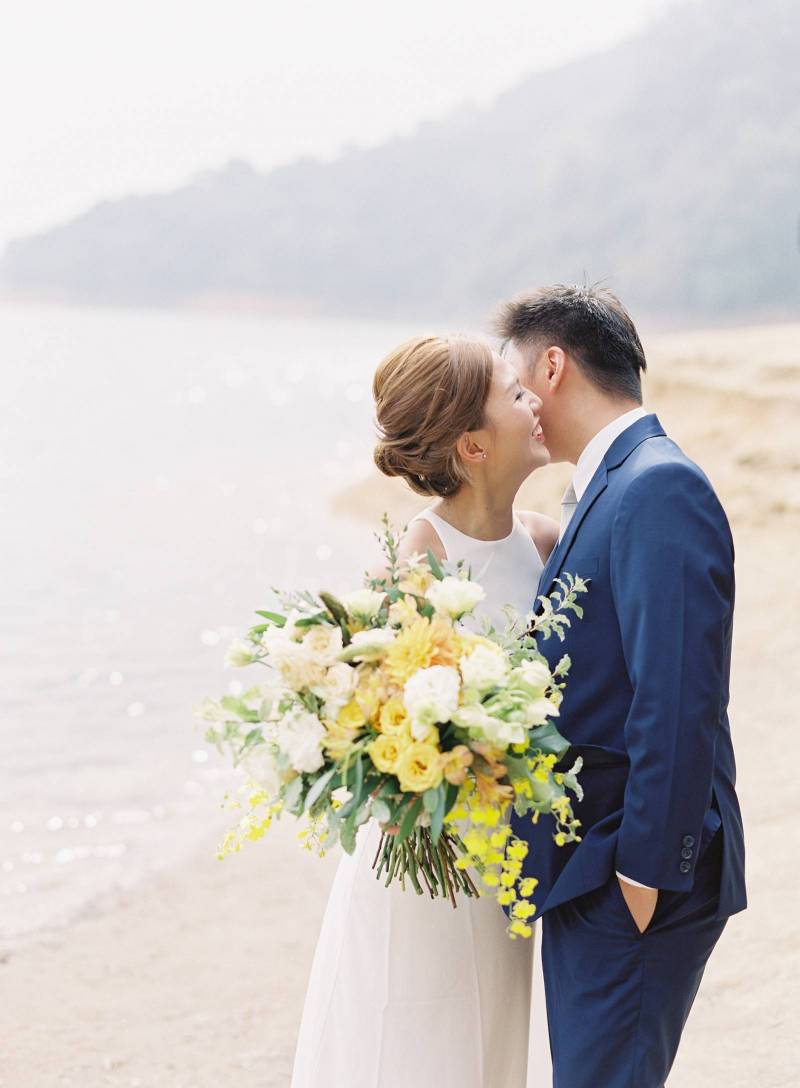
(419, 767)
(369, 695)
(385, 752)
(393, 719)
(403, 612)
(342, 732)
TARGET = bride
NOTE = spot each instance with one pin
(406, 990)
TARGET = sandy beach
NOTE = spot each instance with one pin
(196, 977)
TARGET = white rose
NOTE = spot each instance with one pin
(536, 674)
(299, 735)
(455, 597)
(296, 665)
(324, 643)
(337, 687)
(484, 667)
(364, 604)
(431, 696)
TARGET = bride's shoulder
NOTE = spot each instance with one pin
(543, 531)
(418, 538)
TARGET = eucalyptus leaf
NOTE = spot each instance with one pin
(316, 790)
(430, 799)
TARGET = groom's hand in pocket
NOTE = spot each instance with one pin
(641, 903)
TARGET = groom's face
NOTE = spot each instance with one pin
(530, 363)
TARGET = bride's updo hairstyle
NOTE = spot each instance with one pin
(428, 392)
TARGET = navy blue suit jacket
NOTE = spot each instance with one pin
(646, 699)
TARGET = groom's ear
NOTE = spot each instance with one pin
(555, 367)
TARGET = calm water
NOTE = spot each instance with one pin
(158, 473)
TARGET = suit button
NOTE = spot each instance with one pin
(687, 852)
(685, 866)
(688, 840)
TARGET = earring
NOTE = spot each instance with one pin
(483, 456)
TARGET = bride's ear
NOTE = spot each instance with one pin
(471, 447)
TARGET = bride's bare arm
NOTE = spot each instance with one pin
(543, 530)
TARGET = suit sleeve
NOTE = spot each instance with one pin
(672, 582)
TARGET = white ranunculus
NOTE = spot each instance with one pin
(324, 643)
(366, 645)
(431, 697)
(364, 604)
(299, 735)
(455, 597)
(484, 667)
(536, 674)
(260, 765)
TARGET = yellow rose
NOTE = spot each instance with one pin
(385, 752)
(419, 767)
(351, 716)
(393, 719)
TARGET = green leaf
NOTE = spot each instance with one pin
(335, 607)
(436, 569)
(430, 799)
(409, 820)
(312, 621)
(381, 811)
(275, 617)
(316, 790)
(292, 796)
(548, 739)
(437, 818)
(451, 796)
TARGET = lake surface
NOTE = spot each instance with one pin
(159, 472)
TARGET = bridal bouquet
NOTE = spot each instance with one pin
(383, 706)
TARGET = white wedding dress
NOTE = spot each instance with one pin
(405, 990)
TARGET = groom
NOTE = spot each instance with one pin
(633, 911)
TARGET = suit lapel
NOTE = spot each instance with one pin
(620, 450)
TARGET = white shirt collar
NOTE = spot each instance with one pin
(597, 447)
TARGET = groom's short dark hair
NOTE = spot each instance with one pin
(589, 323)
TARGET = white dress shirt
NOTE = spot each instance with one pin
(588, 463)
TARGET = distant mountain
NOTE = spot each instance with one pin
(668, 166)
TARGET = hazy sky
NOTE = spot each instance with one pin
(103, 99)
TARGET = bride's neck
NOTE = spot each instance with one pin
(479, 512)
